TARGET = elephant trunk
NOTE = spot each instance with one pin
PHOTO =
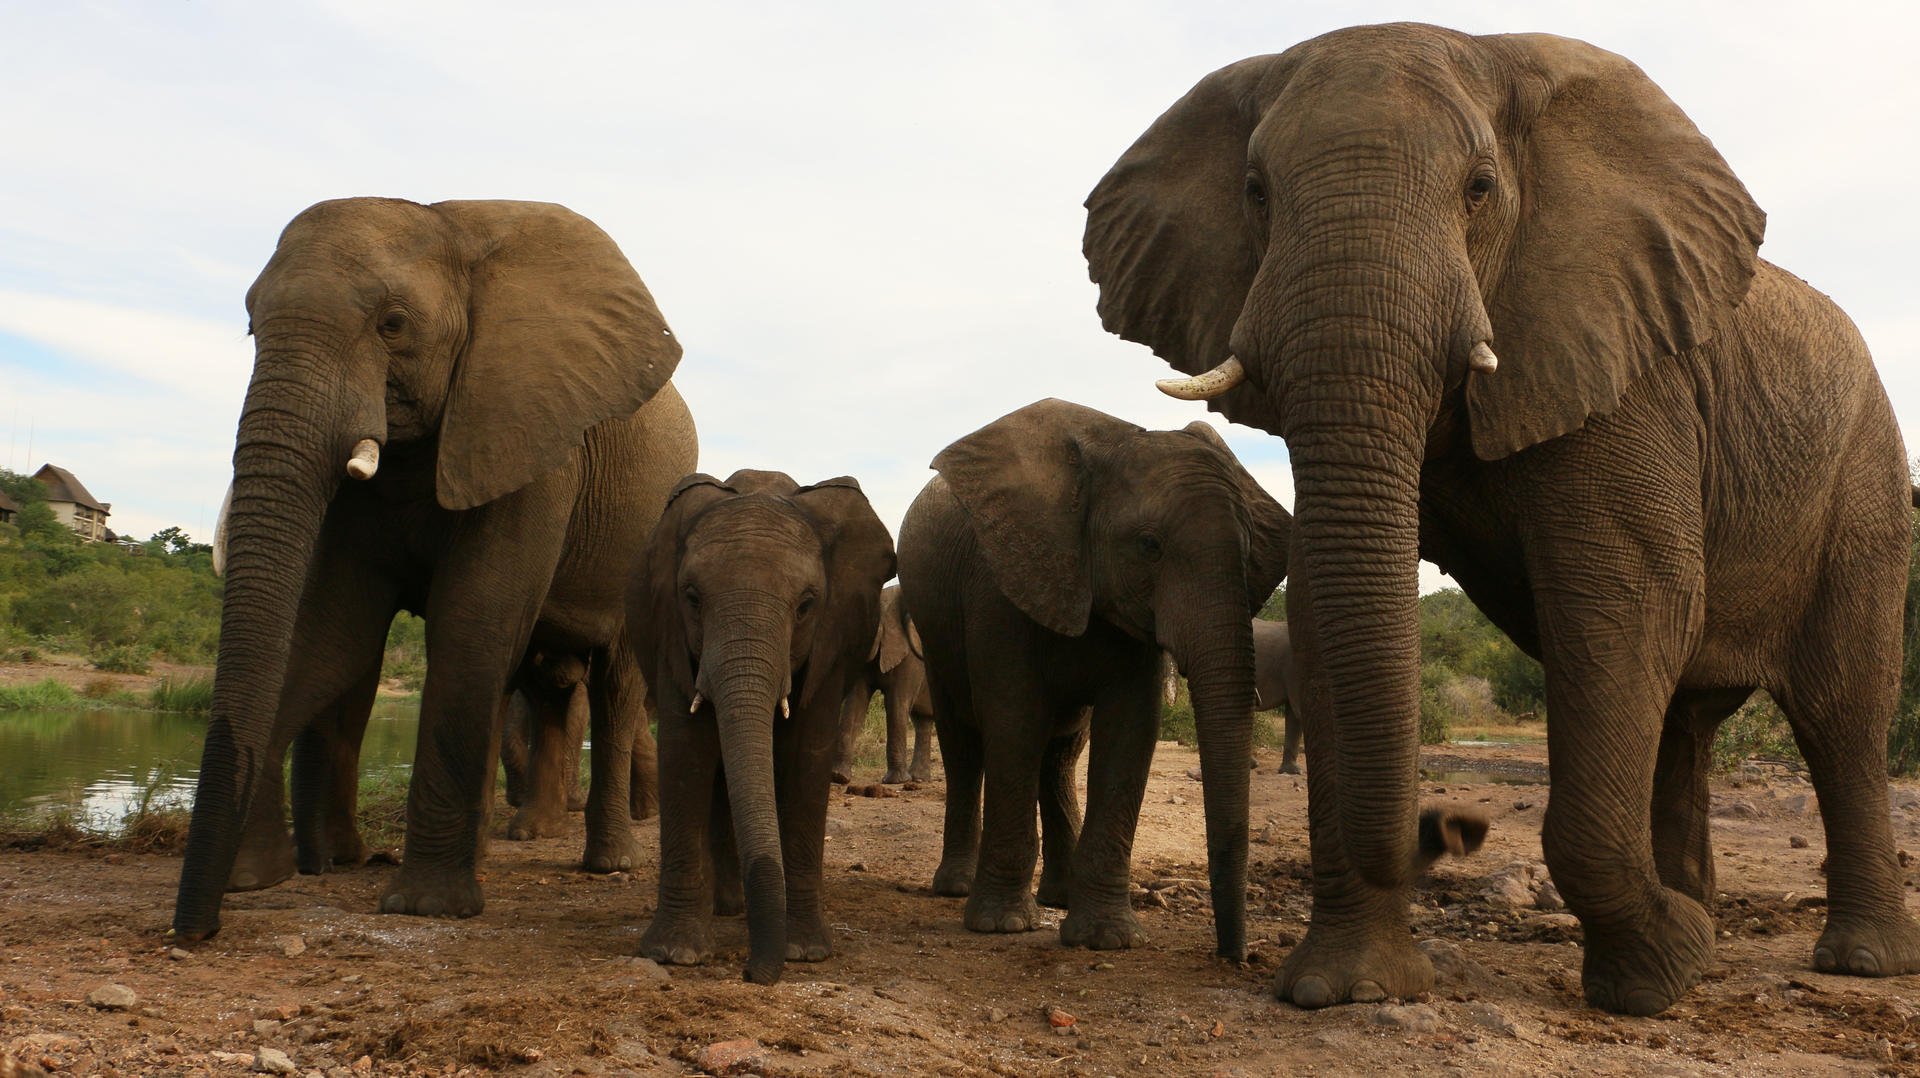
(744, 670)
(1216, 655)
(281, 486)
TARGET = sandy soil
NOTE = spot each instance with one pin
(77, 674)
(542, 983)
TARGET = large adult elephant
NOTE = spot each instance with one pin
(461, 409)
(1059, 550)
(753, 609)
(1502, 300)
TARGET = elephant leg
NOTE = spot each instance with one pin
(1842, 692)
(616, 707)
(1016, 729)
(1682, 842)
(543, 804)
(964, 754)
(921, 770)
(574, 732)
(515, 755)
(899, 700)
(1290, 755)
(326, 827)
(1060, 813)
(853, 722)
(643, 776)
(729, 894)
(1123, 730)
(803, 754)
(690, 797)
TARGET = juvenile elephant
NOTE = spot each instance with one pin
(1047, 566)
(461, 409)
(897, 670)
(1504, 302)
(754, 608)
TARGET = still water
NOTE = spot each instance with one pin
(103, 764)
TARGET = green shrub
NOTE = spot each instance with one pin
(48, 695)
(1758, 731)
(125, 659)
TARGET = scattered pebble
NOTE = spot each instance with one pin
(995, 1016)
(1412, 1017)
(273, 1061)
(1061, 1021)
(1548, 898)
(1798, 842)
(1488, 1016)
(1522, 806)
(113, 997)
(178, 955)
(730, 1057)
(291, 946)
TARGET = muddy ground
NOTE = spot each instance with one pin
(543, 983)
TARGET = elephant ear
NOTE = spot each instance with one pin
(561, 336)
(1634, 241)
(654, 623)
(1021, 480)
(1167, 238)
(890, 644)
(858, 554)
(1269, 525)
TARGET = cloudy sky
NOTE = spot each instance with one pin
(862, 219)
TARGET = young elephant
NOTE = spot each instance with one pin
(1275, 686)
(1058, 552)
(753, 609)
(898, 671)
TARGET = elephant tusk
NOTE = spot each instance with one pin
(694, 708)
(1205, 386)
(784, 712)
(365, 460)
(1482, 358)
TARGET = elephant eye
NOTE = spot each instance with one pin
(805, 606)
(692, 596)
(1256, 191)
(1149, 547)
(393, 323)
(1478, 188)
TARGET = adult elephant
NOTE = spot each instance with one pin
(898, 671)
(1502, 299)
(753, 609)
(493, 379)
(1277, 685)
(1047, 566)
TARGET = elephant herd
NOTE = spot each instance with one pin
(1499, 296)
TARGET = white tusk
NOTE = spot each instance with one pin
(1483, 359)
(1205, 386)
(365, 460)
(784, 713)
(694, 708)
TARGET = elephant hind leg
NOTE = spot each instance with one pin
(964, 752)
(1682, 845)
(1060, 814)
(1840, 697)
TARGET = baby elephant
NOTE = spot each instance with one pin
(753, 609)
(898, 671)
(1047, 566)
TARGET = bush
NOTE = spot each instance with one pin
(193, 696)
(1436, 707)
(48, 695)
(1758, 731)
(126, 659)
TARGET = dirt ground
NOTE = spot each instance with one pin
(77, 674)
(543, 983)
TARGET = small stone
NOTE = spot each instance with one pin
(1060, 1019)
(1522, 806)
(363, 1065)
(1507, 889)
(531, 1055)
(1271, 834)
(857, 866)
(263, 1027)
(1176, 799)
(1736, 810)
(178, 955)
(995, 1016)
(730, 1057)
(290, 946)
(1548, 898)
(1451, 966)
(1797, 805)
(650, 970)
(113, 997)
(1798, 842)
(1561, 921)
(273, 1061)
(1412, 1017)
(1488, 1016)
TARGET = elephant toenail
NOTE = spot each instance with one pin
(1312, 991)
(1645, 1002)
(1823, 960)
(1367, 992)
(1864, 962)
(393, 904)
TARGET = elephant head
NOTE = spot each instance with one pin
(481, 339)
(756, 604)
(1161, 534)
(1394, 242)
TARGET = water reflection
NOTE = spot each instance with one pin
(101, 765)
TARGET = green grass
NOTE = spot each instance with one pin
(48, 695)
(194, 695)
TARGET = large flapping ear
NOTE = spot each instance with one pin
(858, 554)
(890, 645)
(1022, 481)
(1634, 241)
(562, 335)
(654, 624)
(1167, 238)
(1269, 525)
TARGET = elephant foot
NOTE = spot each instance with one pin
(729, 901)
(676, 941)
(536, 821)
(618, 852)
(350, 849)
(433, 893)
(1363, 965)
(1289, 767)
(842, 775)
(921, 773)
(1644, 972)
(1015, 913)
(262, 866)
(1055, 887)
(577, 800)
(896, 775)
(1104, 930)
(1863, 948)
(953, 878)
(807, 940)
(643, 806)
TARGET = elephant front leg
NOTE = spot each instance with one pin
(805, 749)
(543, 801)
(853, 722)
(689, 797)
(1290, 754)
(266, 854)
(899, 697)
(1123, 730)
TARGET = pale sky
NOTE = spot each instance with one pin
(862, 220)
